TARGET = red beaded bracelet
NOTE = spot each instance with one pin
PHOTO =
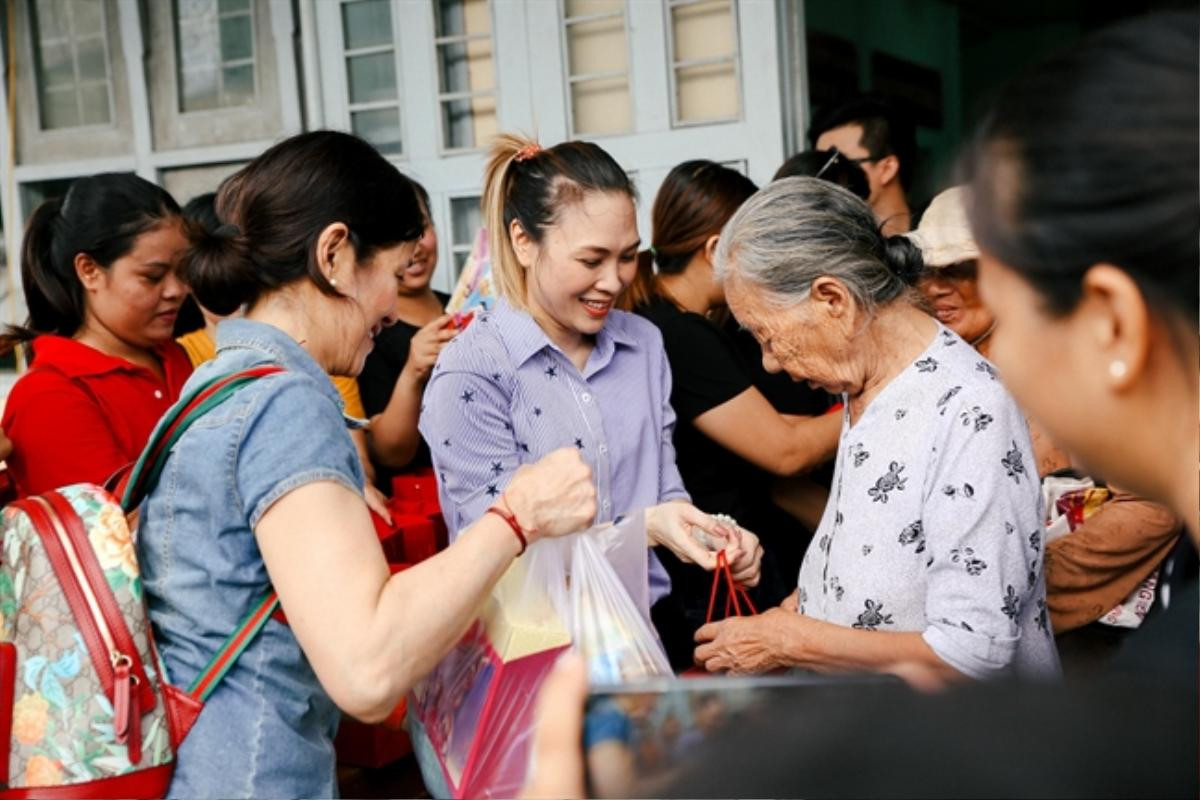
(511, 519)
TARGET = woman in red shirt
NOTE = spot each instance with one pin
(98, 269)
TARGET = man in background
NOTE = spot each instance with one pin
(874, 133)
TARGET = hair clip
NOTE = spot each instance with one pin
(836, 154)
(527, 152)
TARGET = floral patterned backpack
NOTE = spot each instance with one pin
(84, 703)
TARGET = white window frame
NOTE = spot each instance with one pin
(674, 66)
(564, 22)
(444, 97)
(36, 44)
(221, 65)
(330, 15)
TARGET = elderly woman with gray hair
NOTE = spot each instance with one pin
(928, 559)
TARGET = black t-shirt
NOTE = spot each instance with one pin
(378, 379)
(707, 370)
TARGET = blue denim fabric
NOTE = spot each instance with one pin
(267, 730)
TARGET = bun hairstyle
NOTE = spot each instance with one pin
(904, 259)
(1094, 157)
(100, 215)
(275, 208)
(796, 230)
(528, 184)
(695, 201)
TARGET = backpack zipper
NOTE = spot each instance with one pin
(126, 712)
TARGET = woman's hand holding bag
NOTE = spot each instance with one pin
(671, 525)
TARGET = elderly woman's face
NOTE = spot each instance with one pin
(801, 340)
(953, 293)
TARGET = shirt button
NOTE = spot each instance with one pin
(606, 505)
(603, 448)
(585, 397)
(158, 394)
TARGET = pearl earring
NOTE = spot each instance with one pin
(333, 281)
(1117, 369)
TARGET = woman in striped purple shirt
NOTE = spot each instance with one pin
(554, 364)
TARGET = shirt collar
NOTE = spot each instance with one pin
(76, 359)
(525, 338)
(276, 346)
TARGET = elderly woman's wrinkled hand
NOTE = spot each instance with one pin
(791, 603)
(747, 644)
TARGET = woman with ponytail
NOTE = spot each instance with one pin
(929, 554)
(729, 439)
(556, 364)
(266, 491)
(98, 268)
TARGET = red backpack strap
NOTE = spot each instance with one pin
(237, 642)
(138, 482)
(133, 485)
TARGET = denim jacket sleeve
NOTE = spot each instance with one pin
(292, 437)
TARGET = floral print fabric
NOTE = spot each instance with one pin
(934, 520)
(62, 717)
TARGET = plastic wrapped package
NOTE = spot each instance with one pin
(476, 709)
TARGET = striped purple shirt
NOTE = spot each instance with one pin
(502, 395)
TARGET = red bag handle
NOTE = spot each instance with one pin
(733, 591)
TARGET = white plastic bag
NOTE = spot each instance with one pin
(475, 710)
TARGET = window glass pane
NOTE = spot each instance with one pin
(462, 17)
(91, 59)
(194, 9)
(94, 100)
(483, 111)
(206, 44)
(199, 89)
(469, 122)
(706, 92)
(380, 127)
(600, 106)
(372, 78)
(367, 23)
(239, 85)
(465, 220)
(597, 46)
(58, 69)
(53, 19)
(225, 6)
(448, 16)
(580, 8)
(703, 30)
(465, 67)
(89, 17)
(60, 109)
(237, 38)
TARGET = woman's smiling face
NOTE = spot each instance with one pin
(585, 260)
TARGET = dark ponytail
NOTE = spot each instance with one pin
(275, 208)
(101, 216)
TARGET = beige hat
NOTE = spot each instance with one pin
(944, 236)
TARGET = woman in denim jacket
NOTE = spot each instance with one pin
(266, 490)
